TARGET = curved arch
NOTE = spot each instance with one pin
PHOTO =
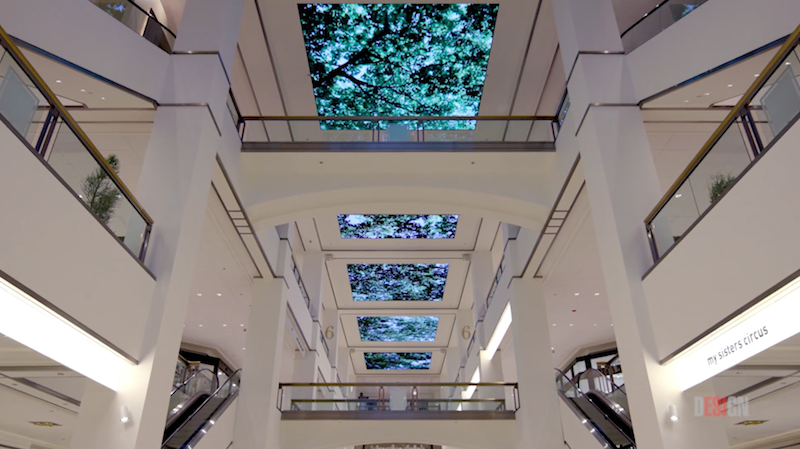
(393, 199)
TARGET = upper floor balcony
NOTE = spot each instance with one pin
(398, 400)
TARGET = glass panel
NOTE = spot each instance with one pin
(21, 103)
(776, 105)
(139, 21)
(657, 21)
(377, 398)
(721, 166)
(412, 130)
(199, 423)
(89, 180)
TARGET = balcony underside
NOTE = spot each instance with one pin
(340, 147)
(408, 415)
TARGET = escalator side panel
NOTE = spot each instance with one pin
(606, 406)
(576, 435)
(177, 420)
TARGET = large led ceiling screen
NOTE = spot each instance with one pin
(353, 226)
(398, 360)
(397, 282)
(398, 328)
(398, 60)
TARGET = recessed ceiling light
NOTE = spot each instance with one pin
(224, 325)
(756, 75)
(102, 98)
(577, 294)
(788, 63)
(597, 294)
(707, 94)
(570, 324)
(83, 90)
(58, 81)
(595, 324)
(200, 325)
(242, 325)
(243, 349)
(199, 294)
(685, 101)
(612, 324)
(730, 85)
(554, 324)
(219, 294)
(678, 195)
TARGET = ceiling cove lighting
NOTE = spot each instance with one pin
(499, 331)
(769, 322)
(30, 323)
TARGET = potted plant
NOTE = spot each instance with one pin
(718, 184)
(99, 191)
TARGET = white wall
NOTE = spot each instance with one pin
(221, 434)
(82, 33)
(54, 246)
(482, 434)
(576, 435)
(715, 33)
(746, 244)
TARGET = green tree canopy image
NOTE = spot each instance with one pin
(398, 328)
(397, 282)
(397, 60)
(398, 360)
(354, 226)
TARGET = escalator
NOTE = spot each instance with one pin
(606, 418)
(195, 405)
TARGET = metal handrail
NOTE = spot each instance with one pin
(372, 118)
(206, 401)
(400, 384)
(599, 410)
(213, 375)
(7, 43)
(152, 17)
(736, 112)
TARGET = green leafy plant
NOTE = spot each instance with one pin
(718, 184)
(99, 191)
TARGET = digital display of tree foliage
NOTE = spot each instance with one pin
(398, 282)
(398, 60)
(398, 328)
(398, 360)
(354, 226)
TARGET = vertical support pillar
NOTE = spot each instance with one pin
(482, 272)
(466, 328)
(331, 332)
(257, 415)
(622, 188)
(313, 276)
(538, 426)
(491, 369)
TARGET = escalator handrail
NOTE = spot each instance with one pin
(211, 396)
(614, 386)
(605, 415)
(213, 376)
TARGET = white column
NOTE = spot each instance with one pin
(331, 332)
(622, 188)
(482, 272)
(313, 275)
(257, 416)
(491, 370)
(465, 320)
(538, 422)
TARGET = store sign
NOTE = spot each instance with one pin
(764, 325)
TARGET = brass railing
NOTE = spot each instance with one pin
(538, 129)
(766, 110)
(408, 396)
(52, 137)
